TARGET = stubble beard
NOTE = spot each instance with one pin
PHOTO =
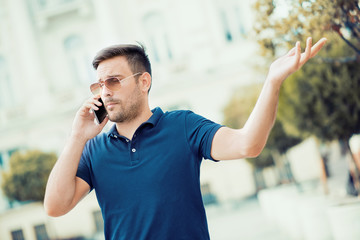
(128, 111)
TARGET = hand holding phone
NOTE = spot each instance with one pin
(101, 113)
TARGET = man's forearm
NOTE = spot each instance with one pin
(60, 189)
(262, 118)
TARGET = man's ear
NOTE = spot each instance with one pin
(145, 80)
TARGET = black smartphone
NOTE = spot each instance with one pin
(101, 113)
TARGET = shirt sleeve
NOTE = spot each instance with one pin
(83, 170)
(200, 133)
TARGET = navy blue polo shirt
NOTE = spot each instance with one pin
(149, 187)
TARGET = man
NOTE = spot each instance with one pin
(145, 170)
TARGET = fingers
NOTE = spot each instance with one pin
(93, 103)
(308, 47)
(297, 53)
(291, 52)
(311, 51)
(316, 48)
(306, 55)
(90, 104)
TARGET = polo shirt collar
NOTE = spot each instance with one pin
(153, 120)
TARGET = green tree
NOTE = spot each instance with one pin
(240, 105)
(321, 99)
(281, 23)
(237, 112)
(27, 176)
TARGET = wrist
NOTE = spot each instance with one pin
(78, 138)
(276, 79)
(273, 83)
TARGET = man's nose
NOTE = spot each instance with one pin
(106, 92)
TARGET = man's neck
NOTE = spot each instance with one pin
(127, 129)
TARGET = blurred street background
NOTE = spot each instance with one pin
(208, 56)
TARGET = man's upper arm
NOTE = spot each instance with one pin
(82, 188)
(83, 171)
(232, 144)
(200, 133)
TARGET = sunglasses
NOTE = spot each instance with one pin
(113, 84)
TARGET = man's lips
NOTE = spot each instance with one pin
(110, 104)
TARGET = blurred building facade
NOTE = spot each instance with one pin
(200, 52)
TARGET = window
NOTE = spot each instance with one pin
(207, 196)
(77, 58)
(232, 22)
(158, 37)
(17, 235)
(1, 160)
(224, 21)
(43, 4)
(5, 157)
(239, 18)
(7, 98)
(12, 151)
(40, 232)
(99, 222)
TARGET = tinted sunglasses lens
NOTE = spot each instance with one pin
(113, 84)
(95, 88)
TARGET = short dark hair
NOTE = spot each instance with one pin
(136, 56)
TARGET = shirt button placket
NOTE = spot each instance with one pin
(134, 151)
(133, 154)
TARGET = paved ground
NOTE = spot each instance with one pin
(241, 221)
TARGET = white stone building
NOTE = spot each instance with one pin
(200, 51)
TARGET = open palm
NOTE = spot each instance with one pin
(282, 67)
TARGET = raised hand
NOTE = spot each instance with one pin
(84, 126)
(284, 66)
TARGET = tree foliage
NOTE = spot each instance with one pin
(281, 23)
(237, 112)
(240, 105)
(27, 176)
(280, 140)
(322, 98)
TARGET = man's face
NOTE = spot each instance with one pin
(127, 103)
